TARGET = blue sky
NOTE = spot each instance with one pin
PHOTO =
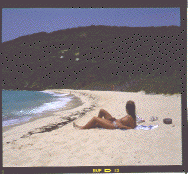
(18, 22)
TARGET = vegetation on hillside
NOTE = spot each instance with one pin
(95, 57)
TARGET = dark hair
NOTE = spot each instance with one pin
(130, 107)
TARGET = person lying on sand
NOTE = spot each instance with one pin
(109, 122)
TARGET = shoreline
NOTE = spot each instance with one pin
(67, 146)
(75, 102)
(52, 119)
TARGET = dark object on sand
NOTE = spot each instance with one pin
(167, 120)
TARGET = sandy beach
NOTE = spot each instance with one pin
(27, 146)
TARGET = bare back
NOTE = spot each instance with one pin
(126, 121)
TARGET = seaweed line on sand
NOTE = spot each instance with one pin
(54, 126)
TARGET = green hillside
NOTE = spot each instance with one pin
(95, 57)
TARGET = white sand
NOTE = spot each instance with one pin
(68, 146)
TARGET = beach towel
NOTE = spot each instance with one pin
(150, 127)
(138, 127)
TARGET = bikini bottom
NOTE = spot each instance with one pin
(115, 125)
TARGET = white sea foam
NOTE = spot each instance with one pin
(51, 106)
(58, 101)
(15, 121)
(54, 94)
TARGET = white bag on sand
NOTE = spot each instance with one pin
(139, 119)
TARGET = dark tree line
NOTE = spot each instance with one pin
(89, 57)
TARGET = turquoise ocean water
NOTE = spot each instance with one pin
(21, 106)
